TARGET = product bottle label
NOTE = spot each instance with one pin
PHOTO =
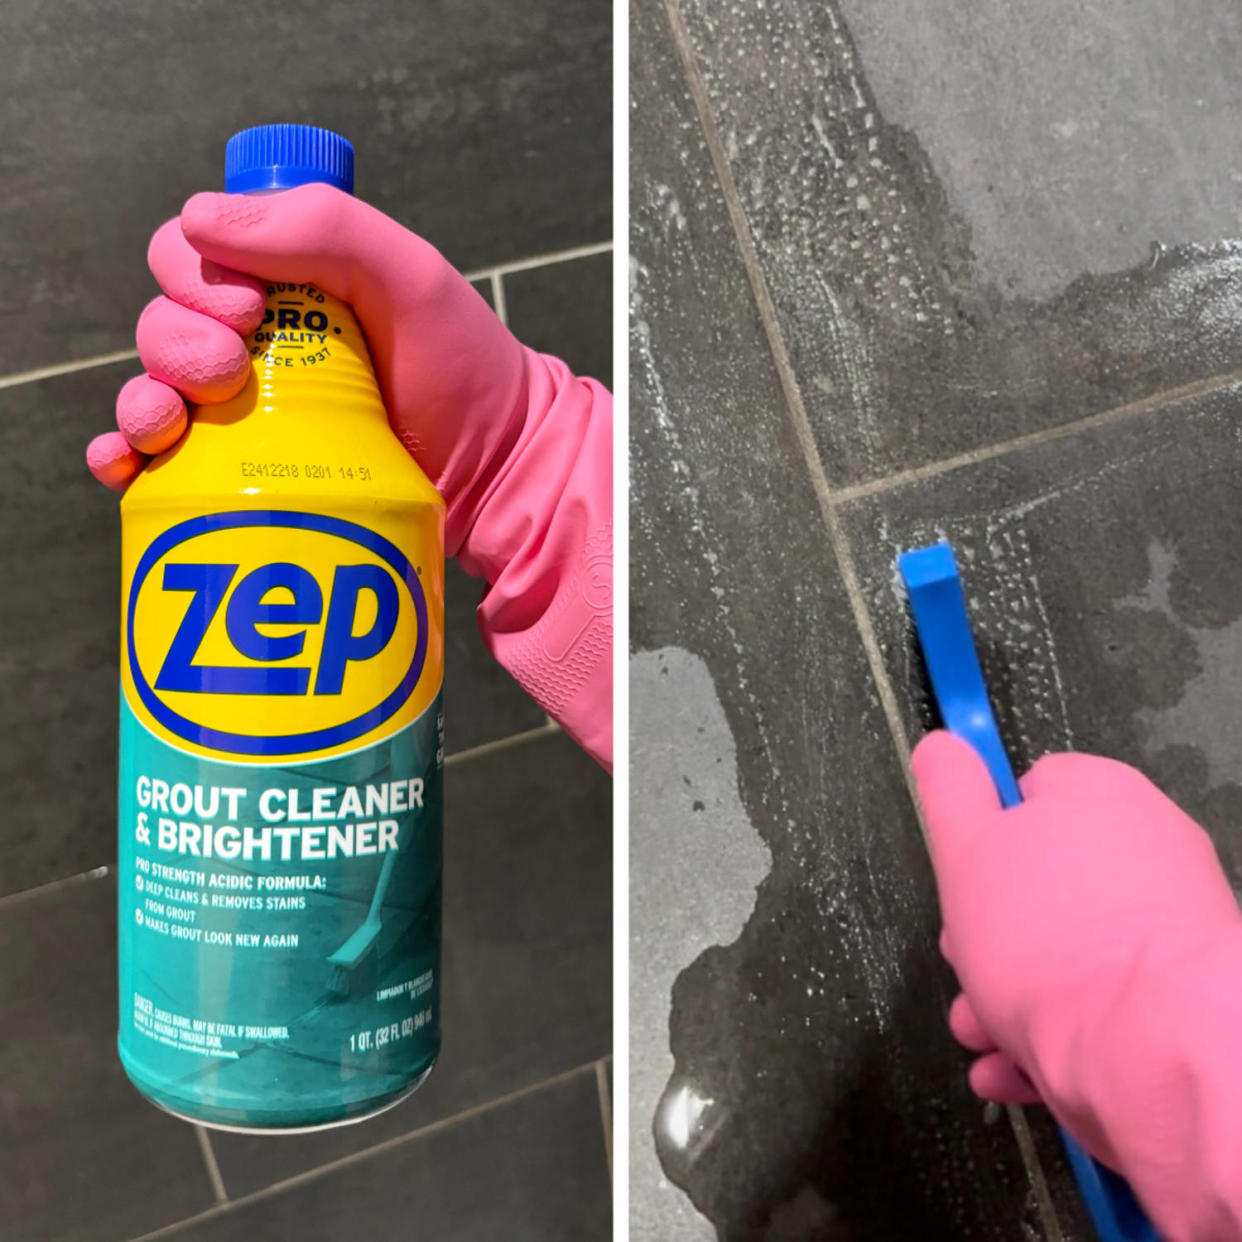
(255, 988)
(280, 810)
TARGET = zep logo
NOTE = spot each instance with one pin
(269, 633)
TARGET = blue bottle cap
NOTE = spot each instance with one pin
(278, 157)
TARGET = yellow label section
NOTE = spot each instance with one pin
(283, 565)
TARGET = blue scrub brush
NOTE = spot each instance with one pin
(943, 627)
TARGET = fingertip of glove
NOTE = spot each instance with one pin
(208, 216)
(966, 1027)
(928, 749)
(159, 241)
(151, 415)
(996, 1078)
(233, 298)
(113, 460)
(937, 753)
(1071, 768)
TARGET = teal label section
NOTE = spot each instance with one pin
(279, 927)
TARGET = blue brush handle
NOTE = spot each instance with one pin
(943, 626)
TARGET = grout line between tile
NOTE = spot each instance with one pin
(66, 368)
(209, 1159)
(356, 1157)
(498, 298)
(605, 1109)
(541, 260)
(801, 426)
(1002, 448)
(514, 739)
(40, 890)
(798, 418)
(1035, 1175)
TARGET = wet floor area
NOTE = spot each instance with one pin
(901, 272)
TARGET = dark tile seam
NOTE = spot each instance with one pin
(1166, 398)
(66, 368)
(499, 305)
(462, 756)
(800, 425)
(504, 743)
(605, 1109)
(493, 273)
(542, 260)
(40, 890)
(213, 1168)
(310, 1175)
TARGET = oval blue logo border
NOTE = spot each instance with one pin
(297, 743)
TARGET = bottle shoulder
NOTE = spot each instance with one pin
(367, 466)
(309, 424)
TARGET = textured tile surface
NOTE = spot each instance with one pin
(1117, 126)
(943, 209)
(905, 348)
(566, 309)
(487, 132)
(83, 1158)
(1104, 574)
(779, 885)
(527, 948)
(531, 1170)
(59, 617)
(1105, 585)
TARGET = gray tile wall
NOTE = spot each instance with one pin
(487, 127)
(891, 286)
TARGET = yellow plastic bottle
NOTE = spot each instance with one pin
(281, 751)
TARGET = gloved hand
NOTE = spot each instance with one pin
(519, 447)
(1099, 948)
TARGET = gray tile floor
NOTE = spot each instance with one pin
(1106, 576)
(894, 280)
(871, 267)
(489, 133)
(84, 1155)
(427, 1184)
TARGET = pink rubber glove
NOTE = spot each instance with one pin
(1099, 947)
(519, 447)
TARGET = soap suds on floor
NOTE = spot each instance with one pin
(1014, 634)
(1070, 173)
